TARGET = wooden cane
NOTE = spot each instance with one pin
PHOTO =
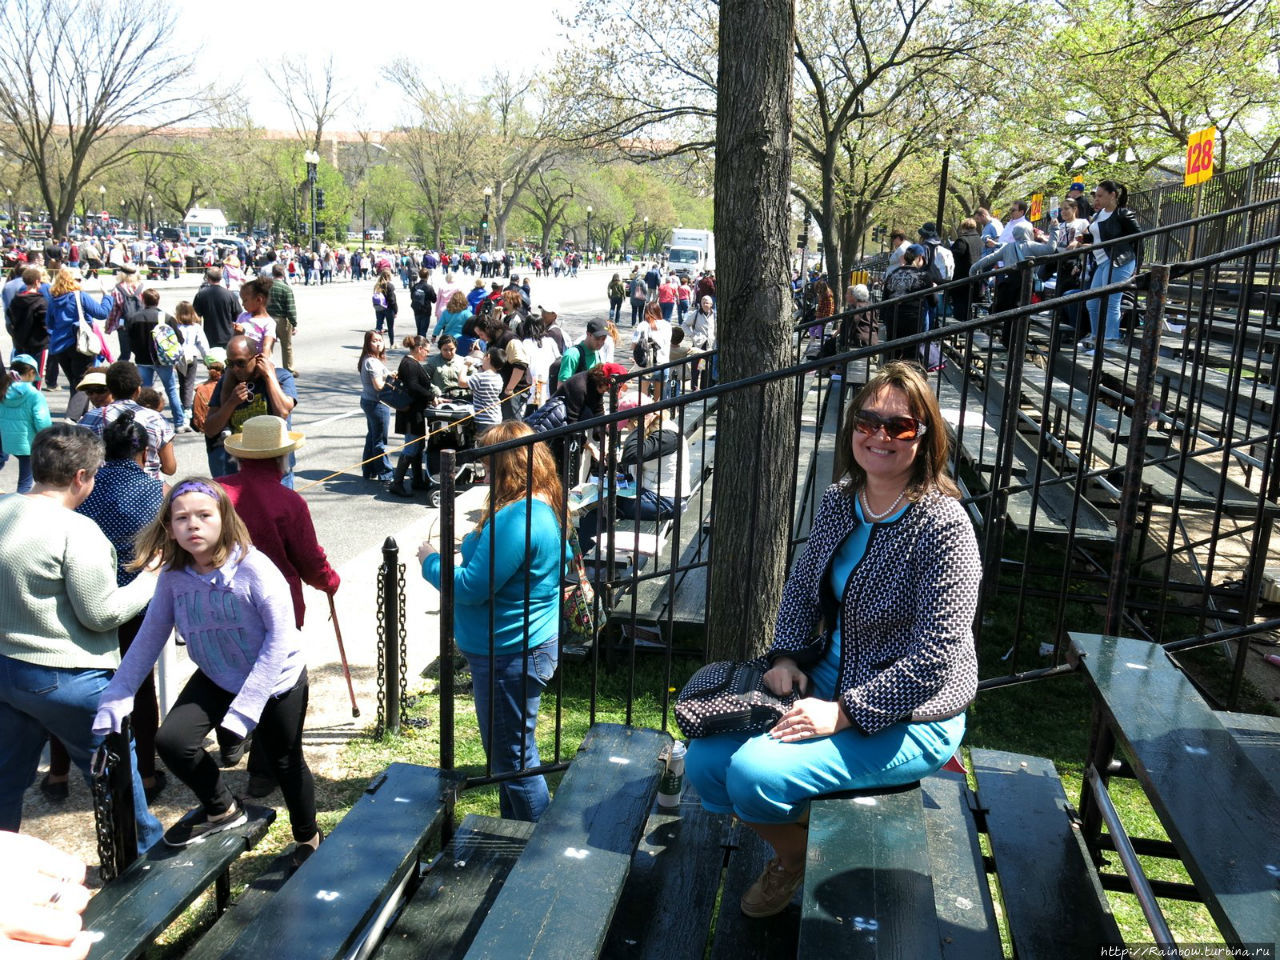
(346, 671)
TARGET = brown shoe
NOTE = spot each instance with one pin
(772, 891)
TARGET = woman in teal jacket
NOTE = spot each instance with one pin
(511, 574)
(23, 414)
(456, 313)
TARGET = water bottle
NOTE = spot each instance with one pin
(672, 783)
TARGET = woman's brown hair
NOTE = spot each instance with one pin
(65, 281)
(368, 351)
(457, 303)
(509, 473)
(155, 541)
(929, 469)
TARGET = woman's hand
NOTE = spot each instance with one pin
(808, 719)
(784, 677)
(425, 549)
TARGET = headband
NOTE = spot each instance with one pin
(193, 486)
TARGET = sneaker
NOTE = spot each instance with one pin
(772, 891)
(260, 786)
(196, 826)
(55, 791)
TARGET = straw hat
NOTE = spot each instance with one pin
(94, 378)
(263, 438)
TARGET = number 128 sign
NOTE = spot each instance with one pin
(1200, 156)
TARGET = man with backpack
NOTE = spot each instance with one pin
(156, 347)
(582, 356)
(422, 298)
(127, 297)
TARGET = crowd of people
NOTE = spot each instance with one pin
(108, 554)
(1095, 225)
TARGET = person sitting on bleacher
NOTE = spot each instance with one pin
(892, 573)
(661, 453)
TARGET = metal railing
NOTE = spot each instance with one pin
(1131, 490)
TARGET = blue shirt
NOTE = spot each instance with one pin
(123, 501)
(823, 676)
(476, 591)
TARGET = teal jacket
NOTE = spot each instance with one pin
(541, 567)
(23, 414)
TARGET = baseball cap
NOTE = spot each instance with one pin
(916, 250)
(596, 328)
(1076, 186)
(613, 369)
(25, 359)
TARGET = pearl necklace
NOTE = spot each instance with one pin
(866, 506)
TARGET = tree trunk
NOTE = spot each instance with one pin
(756, 432)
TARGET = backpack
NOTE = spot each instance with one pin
(553, 373)
(379, 301)
(130, 303)
(168, 347)
(645, 352)
(419, 298)
(548, 416)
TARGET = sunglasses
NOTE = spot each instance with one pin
(898, 428)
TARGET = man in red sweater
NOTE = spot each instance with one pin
(280, 525)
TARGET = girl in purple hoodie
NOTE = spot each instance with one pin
(232, 606)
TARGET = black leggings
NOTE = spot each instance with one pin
(201, 707)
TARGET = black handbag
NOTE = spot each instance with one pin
(730, 697)
(394, 395)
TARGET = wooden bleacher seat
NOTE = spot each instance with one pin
(136, 907)
(1211, 796)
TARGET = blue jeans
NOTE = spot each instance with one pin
(646, 505)
(1104, 274)
(764, 780)
(25, 480)
(169, 378)
(34, 699)
(501, 684)
(377, 417)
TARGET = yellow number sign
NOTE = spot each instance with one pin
(1037, 207)
(1200, 156)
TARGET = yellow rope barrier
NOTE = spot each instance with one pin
(424, 439)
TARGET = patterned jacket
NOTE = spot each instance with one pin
(907, 649)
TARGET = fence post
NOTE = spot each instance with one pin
(1135, 456)
(112, 785)
(391, 638)
(448, 482)
(1015, 350)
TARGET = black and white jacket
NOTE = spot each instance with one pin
(907, 649)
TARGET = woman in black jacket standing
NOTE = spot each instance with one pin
(1113, 263)
(412, 422)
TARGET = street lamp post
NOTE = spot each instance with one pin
(484, 224)
(12, 226)
(589, 252)
(312, 160)
(645, 251)
(364, 226)
(151, 215)
(102, 200)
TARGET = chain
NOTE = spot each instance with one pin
(104, 763)
(382, 651)
(404, 650)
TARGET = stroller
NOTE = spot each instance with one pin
(450, 425)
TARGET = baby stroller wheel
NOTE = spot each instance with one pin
(433, 498)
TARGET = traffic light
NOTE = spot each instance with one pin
(802, 240)
(319, 198)
(484, 224)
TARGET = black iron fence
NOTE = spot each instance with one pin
(1130, 488)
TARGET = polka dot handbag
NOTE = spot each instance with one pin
(729, 697)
